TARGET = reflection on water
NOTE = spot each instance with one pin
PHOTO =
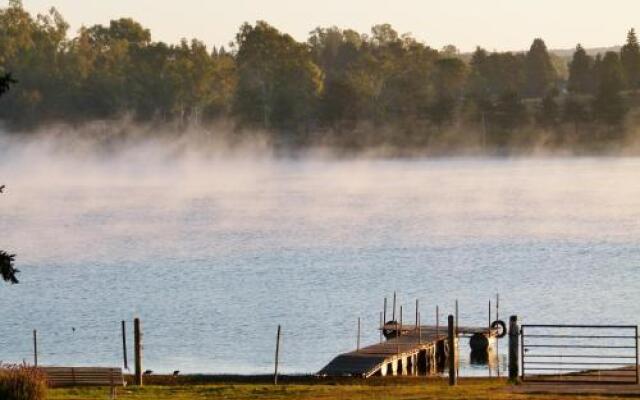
(214, 254)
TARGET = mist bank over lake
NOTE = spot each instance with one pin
(105, 139)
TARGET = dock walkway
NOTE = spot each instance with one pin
(418, 350)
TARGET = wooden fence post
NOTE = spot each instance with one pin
(35, 348)
(453, 379)
(137, 346)
(514, 334)
(358, 342)
(275, 372)
(124, 345)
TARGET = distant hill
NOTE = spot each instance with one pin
(559, 57)
(568, 53)
(563, 53)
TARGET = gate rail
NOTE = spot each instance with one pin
(605, 354)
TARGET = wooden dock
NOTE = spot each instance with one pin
(415, 350)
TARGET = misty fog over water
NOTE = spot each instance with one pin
(213, 251)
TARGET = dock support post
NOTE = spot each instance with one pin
(275, 372)
(384, 315)
(457, 364)
(35, 348)
(456, 317)
(393, 317)
(419, 330)
(514, 334)
(137, 349)
(358, 342)
(381, 326)
(124, 345)
(453, 379)
(437, 323)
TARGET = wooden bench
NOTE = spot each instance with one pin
(83, 376)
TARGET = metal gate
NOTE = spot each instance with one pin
(580, 354)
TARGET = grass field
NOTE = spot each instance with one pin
(376, 389)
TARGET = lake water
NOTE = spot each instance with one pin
(213, 254)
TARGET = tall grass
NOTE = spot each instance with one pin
(22, 382)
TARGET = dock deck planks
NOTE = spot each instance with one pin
(399, 351)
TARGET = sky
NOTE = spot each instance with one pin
(493, 24)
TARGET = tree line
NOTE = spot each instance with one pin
(340, 87)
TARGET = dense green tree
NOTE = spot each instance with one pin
(509, 112)
(337, 52)
(405, 81)
(540, 75)
(548, 114)
(31, 47)
(494, 74)
(278, 82)
(609, 106)
(576, 112)
(630, 58)
(450, 51)
(581, 72)
(449, 80)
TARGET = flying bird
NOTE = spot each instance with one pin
(148, 372)
(176, 373)
(2, 188)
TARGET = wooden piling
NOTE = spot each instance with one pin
(124, 345)
(137, 351)
(437, 321)
(384, 316)
(381, 326)
(358, 341)
(398, 329)
(275, 372)
(453, 379)
(394, 307)
(489, 325)
(514, 335)
(419, 330)
(35, 348)
(456, 317)
(457, 364)
(497, 338)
